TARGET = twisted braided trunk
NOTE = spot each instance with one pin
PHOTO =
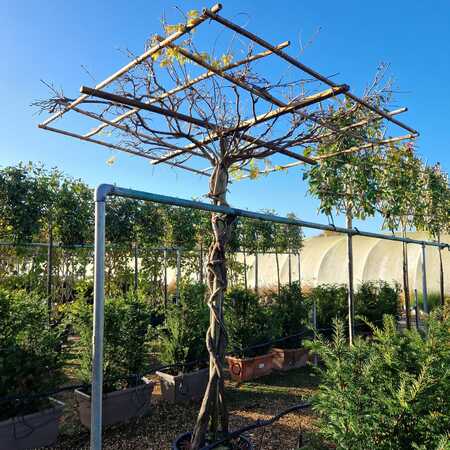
(214, 409)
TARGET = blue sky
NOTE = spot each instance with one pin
(52, 40)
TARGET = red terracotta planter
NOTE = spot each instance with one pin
(244, 369)
(286, 359)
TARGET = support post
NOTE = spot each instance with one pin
(299, 265)
(256, 272)
(424, 281)
(49, 270)
(98, 326)
(290, 267)
(136, 272)
(177, 295)
(165, 278)
(441, 274)
(314, 323)
(416, 301)
(350, 280)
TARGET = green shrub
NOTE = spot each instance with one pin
(391, 393)
(291, 313)
(373, 300)
(249, 322)
(183, 332)
(31, 356)
(127, 323)
(331, 303)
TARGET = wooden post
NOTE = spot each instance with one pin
(350, 279)
(49, 270)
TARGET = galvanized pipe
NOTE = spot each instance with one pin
(98, 327)
(424, 281)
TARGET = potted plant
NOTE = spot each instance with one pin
(31, 362)
(291, 315)
(126, 394)
(250, 329)
(183, 348)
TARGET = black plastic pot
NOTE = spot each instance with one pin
(182, 443)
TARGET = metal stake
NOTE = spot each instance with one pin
(424, 281)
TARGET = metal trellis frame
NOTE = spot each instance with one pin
(101, 194)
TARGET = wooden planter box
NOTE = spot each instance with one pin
(33, 430)
(183, 387)
(286, 359)
(244, 369)
(118, 406)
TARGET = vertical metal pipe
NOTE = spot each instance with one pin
(165, 278)
(136, 273)
(424, 281)
(256, 272)
(350, 280)
(314, 321)
(290, 267)
(97, 336)
(177, 297)
(49, 270)
(416, 298)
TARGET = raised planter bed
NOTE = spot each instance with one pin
(118, 406)
(292, 358)
(183, 443)
(244, 369)
(35, 430)
(184, 386)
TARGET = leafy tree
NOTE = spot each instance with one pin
(400, 198)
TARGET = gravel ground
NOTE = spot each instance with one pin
(247, 403)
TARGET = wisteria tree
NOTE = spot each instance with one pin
(179, 105)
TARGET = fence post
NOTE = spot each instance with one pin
(165, 278)
(49, 270)
(98, 326)
(424, 281)
(256, 272)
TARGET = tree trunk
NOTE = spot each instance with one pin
(406, 283)
(278, 272)
(213, 408)
(441, 274)
(350, 279)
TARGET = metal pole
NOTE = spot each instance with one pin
(256, 272)
(135, 267)
(416, 298)
(314, 320)
(97, 334)
(165, 278)
(177, 295)
(49, 270)
(424, 281)
(350, 281)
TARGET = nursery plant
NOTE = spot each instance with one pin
(291, 311)
(127, 324)
(182, 335)
(390, 393)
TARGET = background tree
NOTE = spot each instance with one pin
(434, 214)
(400, 199)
